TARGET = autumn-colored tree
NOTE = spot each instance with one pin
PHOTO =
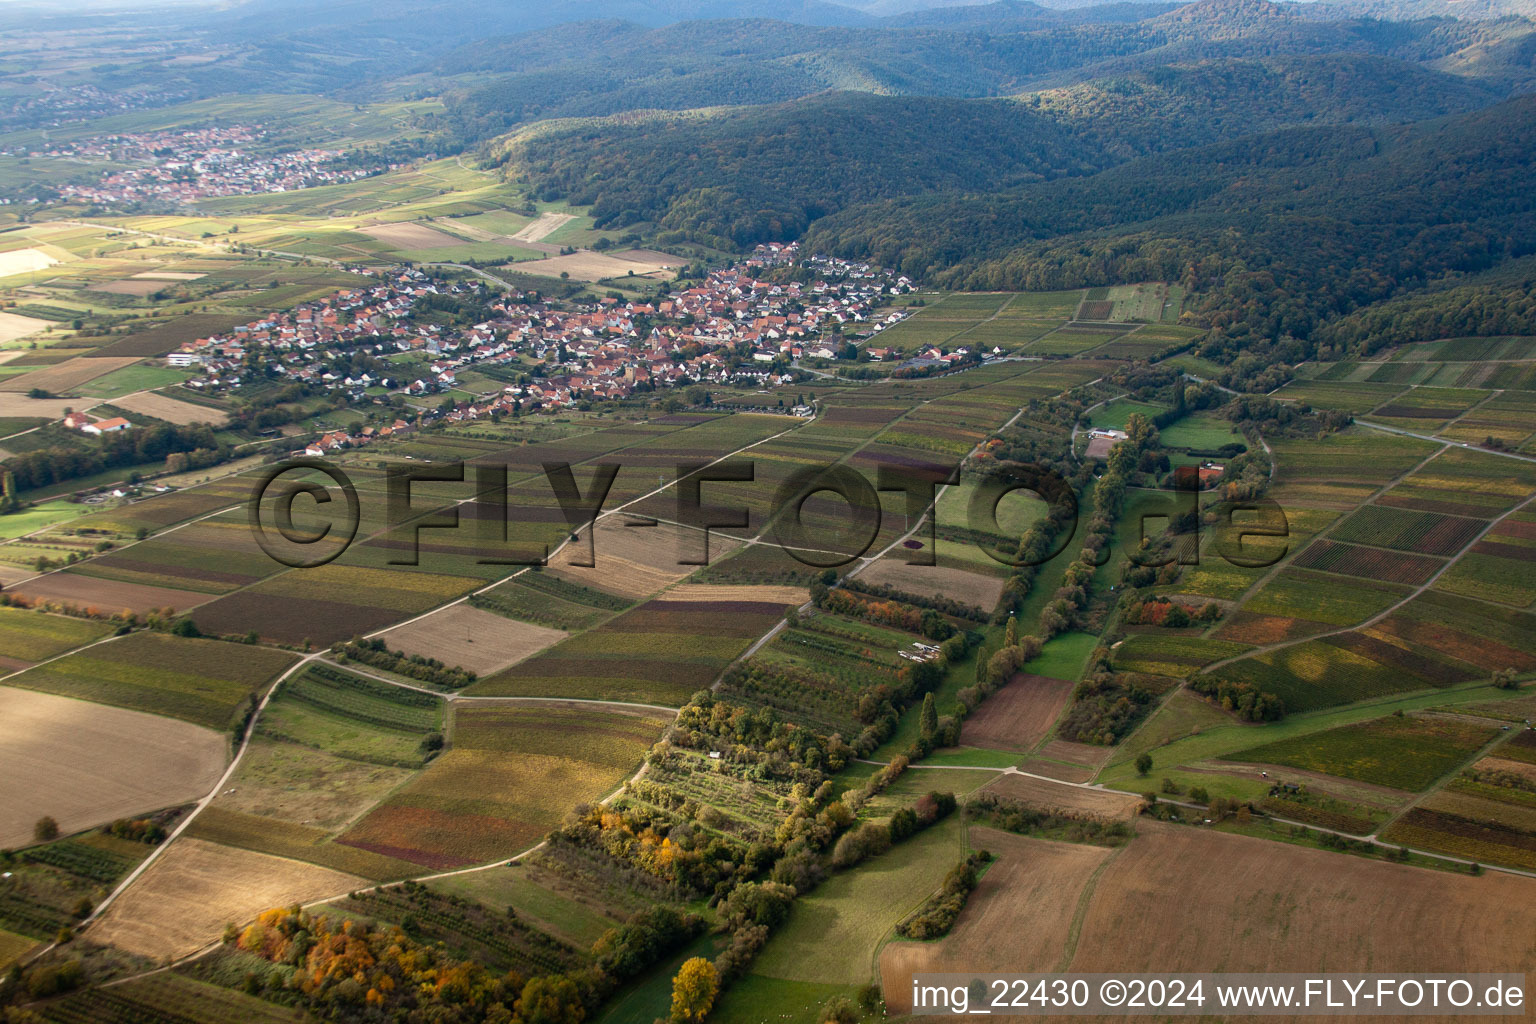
(694, 990)
(551, 1000)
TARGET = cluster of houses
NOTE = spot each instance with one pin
(195, 163)
(337, 440)
(732, 328)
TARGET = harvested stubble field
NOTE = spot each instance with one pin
(634, 561)
(1019, 715)
(68, 374)
(199, 681)
(184, 900)
(982, 590)
(1030, 894)
(1150, 910)
(14, 326)
(85, 764)
(411, 236)
(170, 409)
(1066, 799)
(480, 641)
(595, 266)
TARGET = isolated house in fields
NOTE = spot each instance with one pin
(107, 426)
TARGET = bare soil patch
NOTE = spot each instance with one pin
(1019, 715)
(128, 287)
(1056, 770)
(546, 225)
(70, 373)
(20, 406)
(937, 581)
(634, 561)
(172, 410)
(595, 266)
(185, 899)
(22, 261)
(166, 275)
(480, 641)
(87, 764)
(411, 236)
(1184, 899)
(1029, 895)
(14, 325)
(109, 595)
(1085, 754)
(1056, 797)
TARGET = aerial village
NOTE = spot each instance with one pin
(188, 165)
(731, 328)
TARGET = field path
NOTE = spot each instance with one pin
(1455, 444)
(1099, 787)
(181, 826)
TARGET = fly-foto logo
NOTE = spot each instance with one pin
(307, 512)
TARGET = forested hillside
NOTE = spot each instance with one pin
(1278, 233)
(765, 173)
(753, 174)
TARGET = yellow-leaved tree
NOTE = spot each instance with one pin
(694, 990)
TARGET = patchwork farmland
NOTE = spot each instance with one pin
(528, 768)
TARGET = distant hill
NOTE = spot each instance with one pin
(768, 172)
(1279, 231)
